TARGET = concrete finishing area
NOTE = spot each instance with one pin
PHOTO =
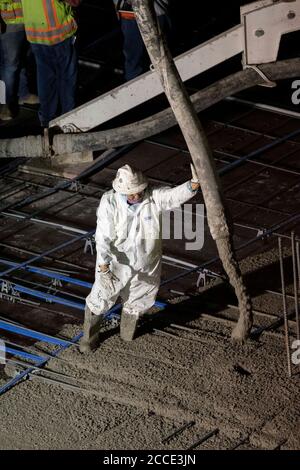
(140, 392)
(181, 372)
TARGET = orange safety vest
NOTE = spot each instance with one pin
(11, 11)
(48, 22)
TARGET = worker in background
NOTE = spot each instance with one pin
(129, 250)
(13, 46)
(136, 58)
(50, 28)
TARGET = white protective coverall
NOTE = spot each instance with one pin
(129, 239)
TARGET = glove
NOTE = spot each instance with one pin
(109, 283)
(194, 175)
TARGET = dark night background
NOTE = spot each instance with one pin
(100, 45)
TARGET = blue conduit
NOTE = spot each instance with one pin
(114, 312)
(47, 297)
(161, 305)
(61, 300)
(23, 331)
(22, 354)
(41, 363)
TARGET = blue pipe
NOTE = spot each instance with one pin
(61, 277)
(161, 305)
(22, 354)
(42, 363)
(69, 303)
(20, 330)
(114, 312)
(45, 296)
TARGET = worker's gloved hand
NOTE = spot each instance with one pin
(194, 181)
(109, 282)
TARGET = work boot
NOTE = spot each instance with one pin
(29, 99)
(5, 113)
(128, 325)
(91, 329)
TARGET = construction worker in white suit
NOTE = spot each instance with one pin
(129, 250)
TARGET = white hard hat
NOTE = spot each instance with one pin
(129, 181)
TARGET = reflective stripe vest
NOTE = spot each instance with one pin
(11, 11)
(48, 22)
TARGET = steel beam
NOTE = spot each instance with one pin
(258, 36)
(147, 86)
(264, 23)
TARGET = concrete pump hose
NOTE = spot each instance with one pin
(35, 146)
(31, 146)
(163, 120)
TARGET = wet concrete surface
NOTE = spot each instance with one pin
(260, 194)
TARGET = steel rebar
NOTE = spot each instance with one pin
(203, 439)
(295, 279)
(285, 315)
(298, 286)
(178, 431)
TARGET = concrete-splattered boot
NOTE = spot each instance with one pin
(128, 326)
(91, 329)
